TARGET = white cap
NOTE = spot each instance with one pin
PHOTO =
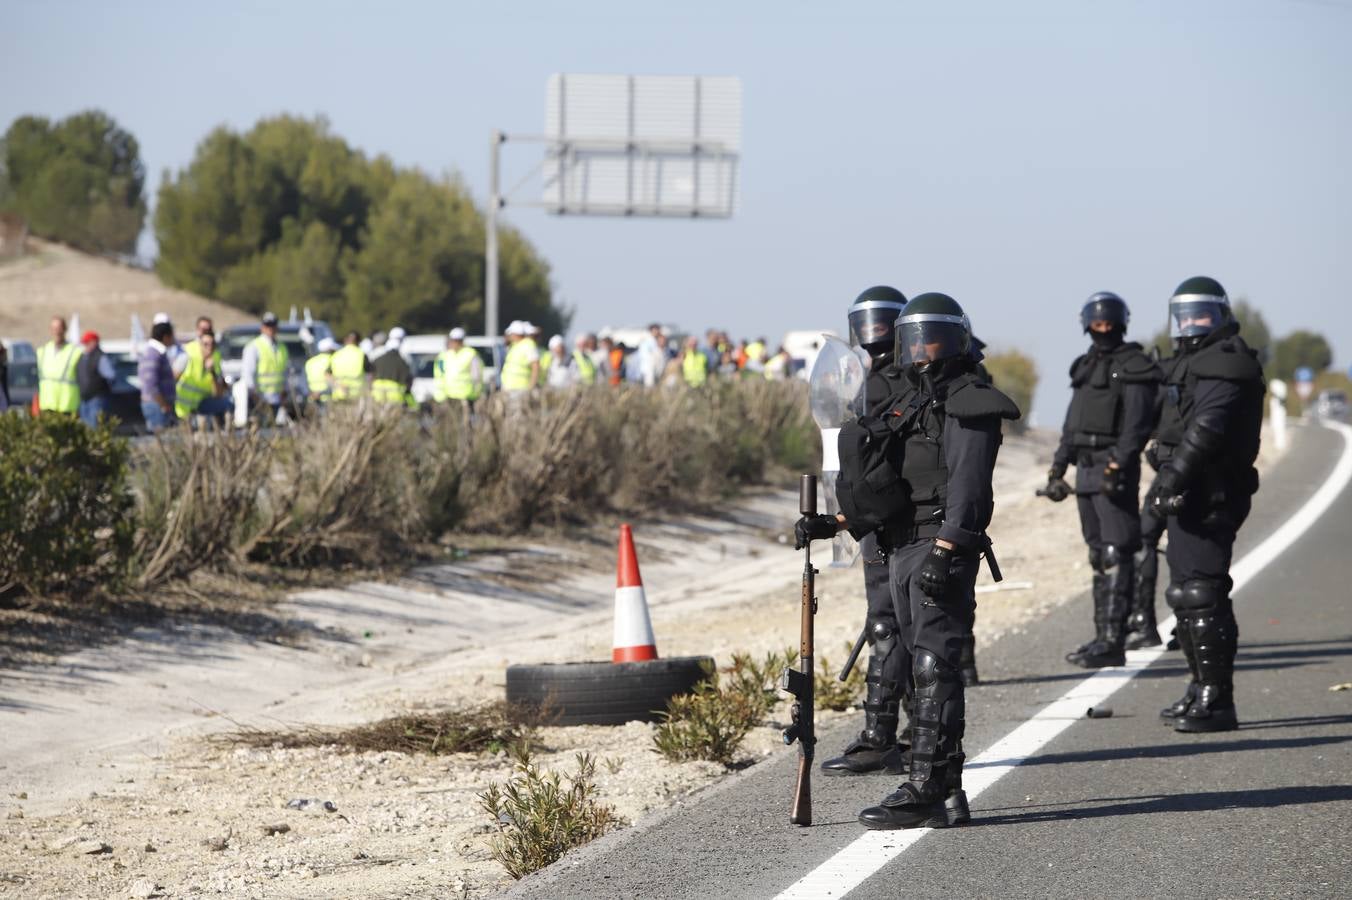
(514, 327)
(555, 341)
(396, 335)
(457, 334)
(160, 319)
(528, 328)
(327, 345)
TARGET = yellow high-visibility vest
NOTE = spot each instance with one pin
(695, 368)
(516, 367)
(272, 359)
(316, 372)
(195, 384)
(58, 390)
(546, 360)
(755, 351)
(348, 366)
(194, 351)
(454, 371)
(383, 390)
(586, 369)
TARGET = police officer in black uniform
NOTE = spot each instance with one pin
(872, 321)
(1208, 441)
(948, 423)
(1111, 415)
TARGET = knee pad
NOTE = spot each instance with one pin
(1202, 594)
(1111, 556)
(1096, 559)
(930, 672)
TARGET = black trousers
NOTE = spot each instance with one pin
(939, 625)
(878, 593)
(1202, 541)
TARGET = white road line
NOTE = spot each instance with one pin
(854, 864)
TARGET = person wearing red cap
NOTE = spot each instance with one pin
(94, 376)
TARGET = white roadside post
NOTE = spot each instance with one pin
(1277, 412)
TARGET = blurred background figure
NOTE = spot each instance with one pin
(263, 375)
(319, 371)
(158, 385)
(58, 390)
(584, 364)
(201, 386)
(94, 374)
(391, 378)
(350, 367)
(458, 371)
(558, 371)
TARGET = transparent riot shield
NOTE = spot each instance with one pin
(836, 395)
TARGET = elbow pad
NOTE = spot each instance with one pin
(1201, 443)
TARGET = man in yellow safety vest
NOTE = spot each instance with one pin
(319, 371)
(694, 363)
(583, 365)
(265, 364)
(458, 371)
(392, 379)
(349, 367)
(58, 388)
(521, 367)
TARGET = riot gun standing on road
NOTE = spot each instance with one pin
(800, 682)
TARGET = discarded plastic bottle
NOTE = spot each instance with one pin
(313, 804)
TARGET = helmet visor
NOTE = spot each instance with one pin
(1194, 315)
(872, 324)
(928, 338)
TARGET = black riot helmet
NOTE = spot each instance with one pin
(1105, 306)
(932, 328)
(1197, 308)
(873, 316)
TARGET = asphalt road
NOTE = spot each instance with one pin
(1115, 807)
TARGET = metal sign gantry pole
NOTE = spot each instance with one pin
(491, 239)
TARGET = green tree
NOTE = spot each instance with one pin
(80, 181)
(1015, 374)
(1297, 349)
(289, 215)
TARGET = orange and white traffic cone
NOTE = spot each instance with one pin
(634, 641)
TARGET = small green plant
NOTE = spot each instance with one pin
(710, 723)
(541, 816)
(614, 764)
(831, 692)
(760, 679)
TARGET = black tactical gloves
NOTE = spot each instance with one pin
(814, 528)
(1056, 489)
(933, 574)
(1166, 497)
(1114, 481)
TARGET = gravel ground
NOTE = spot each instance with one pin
(205, 819)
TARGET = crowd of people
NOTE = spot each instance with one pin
(184, 382)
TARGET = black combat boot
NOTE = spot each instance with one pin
(932, 797)
(1100, 598)
(1142, 629)
(1179, 708)
(1118, 587)
(1215, 637)
(876, 748)
(967, 664)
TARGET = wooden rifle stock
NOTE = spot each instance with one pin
(800, 682)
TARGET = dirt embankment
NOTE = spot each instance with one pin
(54, 280)
(190, 818)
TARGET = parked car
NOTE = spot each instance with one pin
(125, 403)
(23, 372)
(421, 351)
(1331, 405)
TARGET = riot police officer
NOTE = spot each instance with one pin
(1208, 441)
(872, 318)
(1110, 418)
(946, 426)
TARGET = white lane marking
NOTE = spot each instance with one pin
(859, 860)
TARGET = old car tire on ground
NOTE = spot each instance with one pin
(602, 693)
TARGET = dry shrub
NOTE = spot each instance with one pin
(197, 500)
(341, 488)
(760, 679)
(541, 816)
(480, 729)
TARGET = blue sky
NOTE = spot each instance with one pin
(1018, 158)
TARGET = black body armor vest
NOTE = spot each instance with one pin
(87, 376)
(1223, 355)
(1095, 415)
